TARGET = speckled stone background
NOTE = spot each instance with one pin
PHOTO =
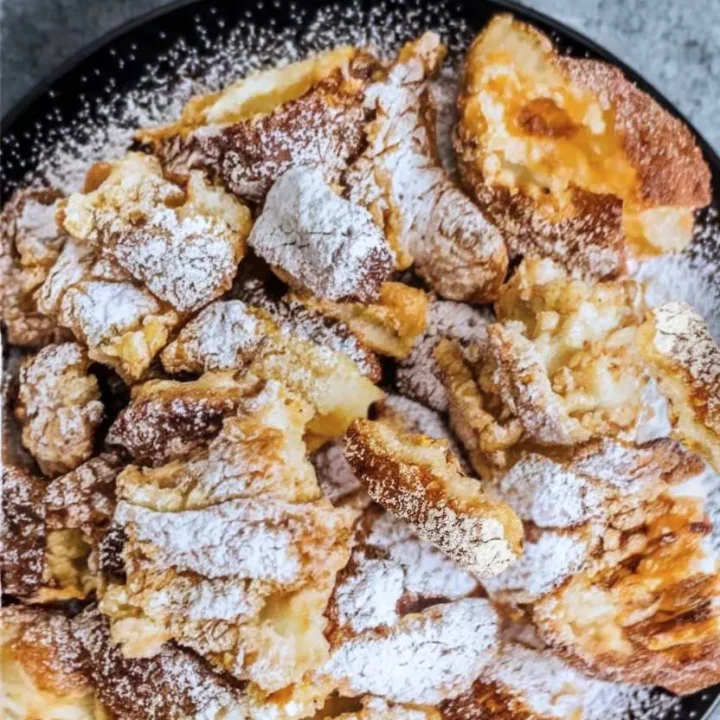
(675, 44)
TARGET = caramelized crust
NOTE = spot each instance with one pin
(182, 244)
(569, 158)
(259, 533)
(685, 360)
(23, 533)
(400, 180)
(409, 417)
(654, 591)
(173, 685)
(308, 114)
(167, 420)
(59, 407)
(390, 326)
(417, 479)
(43, 668)
(30, 241)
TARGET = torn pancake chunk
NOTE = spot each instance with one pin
(685, 360)
(417, 479)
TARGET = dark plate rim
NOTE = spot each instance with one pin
(40, 88)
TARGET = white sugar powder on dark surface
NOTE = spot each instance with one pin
(104, 130)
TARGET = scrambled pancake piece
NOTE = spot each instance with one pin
(400, 180)
(569, 158)
(30, 241)
(167, 420)
(418, 375)
(526, 683)
(43, 670)
(391, 573)
(328, 380)
(308, 114)
(444, 648)
(420, 481)
(234, 552)
(182, 244)
(52, 532)
(645, 609)
(390, 326)
(593, 481)
(317, 241)
(685, 360)
(175, 684)
(559, 368)
(23, 533)
(59, 407)
(226, 334)
(223, 336)
(122, 324)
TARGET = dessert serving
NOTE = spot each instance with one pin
(319, 405)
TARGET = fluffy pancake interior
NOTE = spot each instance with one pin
(544, 136)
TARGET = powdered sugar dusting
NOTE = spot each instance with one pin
(159, 97)
(425, 658)
(44, 639)
(548, 494)
(428, 572)
(106, 309)
(155, 687)
(531, 680)
(546, 562)
(369, 595)
(243, 537)
(103, 128)
(221, 337)
(59, 407)
(323, 242)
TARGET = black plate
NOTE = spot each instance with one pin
(117, 63)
